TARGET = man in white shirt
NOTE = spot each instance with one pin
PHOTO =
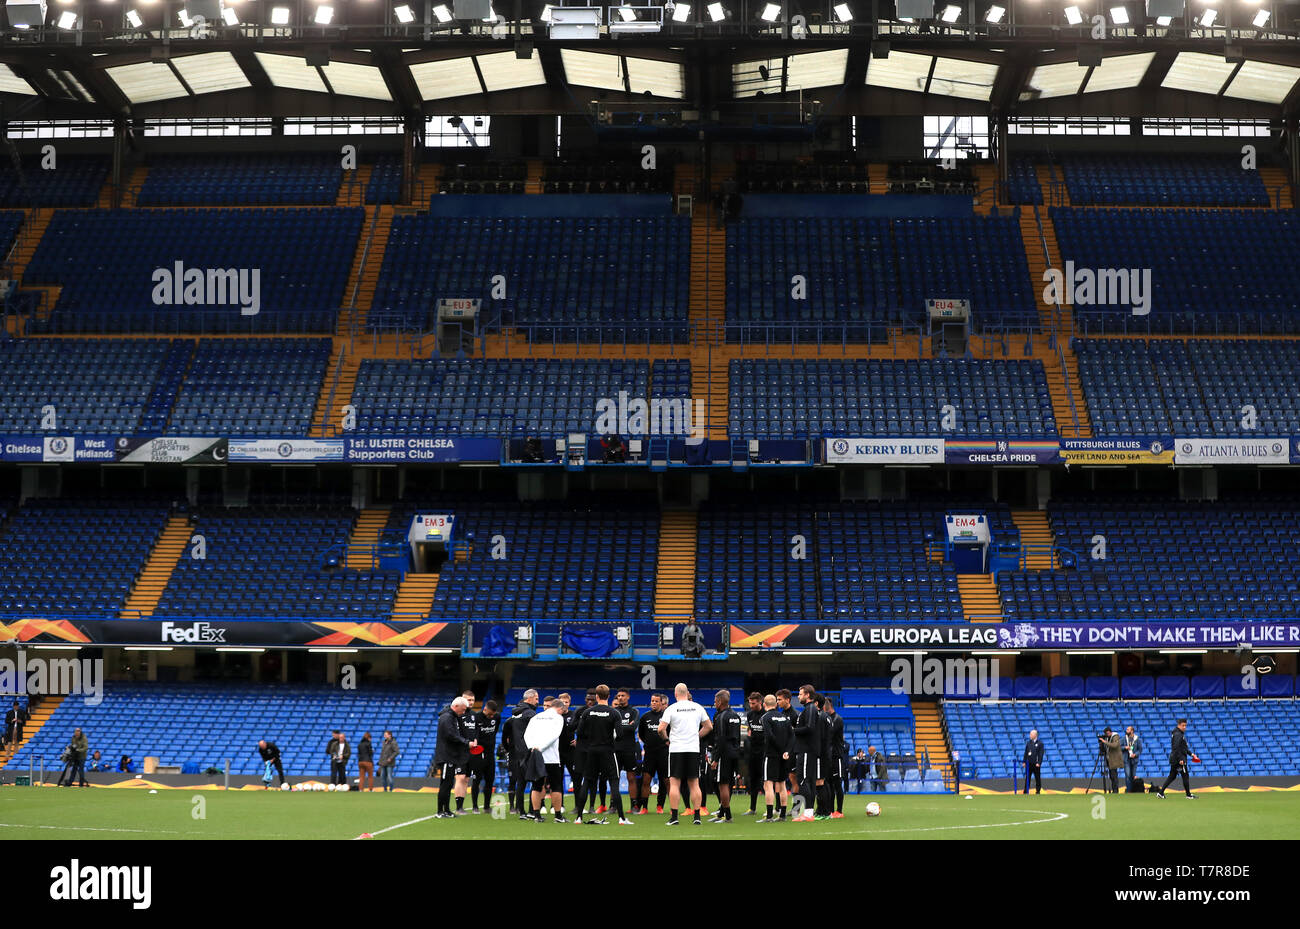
(543, 734)
(682, 725)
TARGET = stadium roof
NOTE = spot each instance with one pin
(496, 71)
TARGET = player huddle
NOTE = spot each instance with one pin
(793, 756)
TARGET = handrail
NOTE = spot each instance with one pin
(325, 425)
(365, 256)
(1069, 391)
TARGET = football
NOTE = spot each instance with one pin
(873, 808)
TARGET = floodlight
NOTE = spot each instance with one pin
(133, 18)
(441, 13)
(627, 14)
(770, 12)
(324, 14)
(1208, 18)
(67, 20)
(24, 14)
(279, 16)
(1119, 15)
(404, 14)
(682, 13)
(230, 17)
(843, 12)
(950, 13)
(1073, 16)
(1164, 21)
(995, 14)
(184, 16)
(1261, 19)
(546, 14)
(716, 12)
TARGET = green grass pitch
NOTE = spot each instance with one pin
(51, 813)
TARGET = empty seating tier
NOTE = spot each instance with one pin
(1164, 561)
(864, 273)
(97, 386)
(788, 399)
(1162, 180)
(273, 562)
(265, 387)
(73, 181)
(563, 279)
(491, 398)
(243, 180)
(199, 726)
(1197, 388)
(292, 264)
(990, 735)
(1216, 271)
(75, 558)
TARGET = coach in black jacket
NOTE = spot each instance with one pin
(1179, 752)
(1033, 758)
(451, 755)
(512, 741)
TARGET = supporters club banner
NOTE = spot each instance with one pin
(58, 448)
(416, 448)
(215, 633)
(1232, 451)
(884, 451)
(286, 450)
(1016, 636)
(171, 450)
(1127, 451)
(1002, 452)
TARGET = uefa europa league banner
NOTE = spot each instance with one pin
(1223, 634)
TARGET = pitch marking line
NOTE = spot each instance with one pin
(1052, 818)
(409, 822)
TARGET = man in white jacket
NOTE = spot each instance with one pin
(543, 735)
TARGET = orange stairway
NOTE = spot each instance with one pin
(708, 303)
(352, 191)
(986, 187)
(533, 183)
(40, 716)
(1035, 531)
(335, 391)
(930, 738)
(157, 572)
(364, 538)
(364, 275)
(415, 597)
(1046, 174)
(1275, 179)
(877, 177)
(980, 601)
(131, 192)
(675, 567)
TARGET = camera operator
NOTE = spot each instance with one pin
(1033, 760)
(1179, 752)
(1109, 742)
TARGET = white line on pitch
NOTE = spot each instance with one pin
(1055, 818)
(410, 822)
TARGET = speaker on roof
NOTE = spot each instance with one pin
(1089, 56)
(914, 9)
(1173, 8)
(25, 14)
(472, 9)
(317, 56)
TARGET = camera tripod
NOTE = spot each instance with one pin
(1101, 753)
